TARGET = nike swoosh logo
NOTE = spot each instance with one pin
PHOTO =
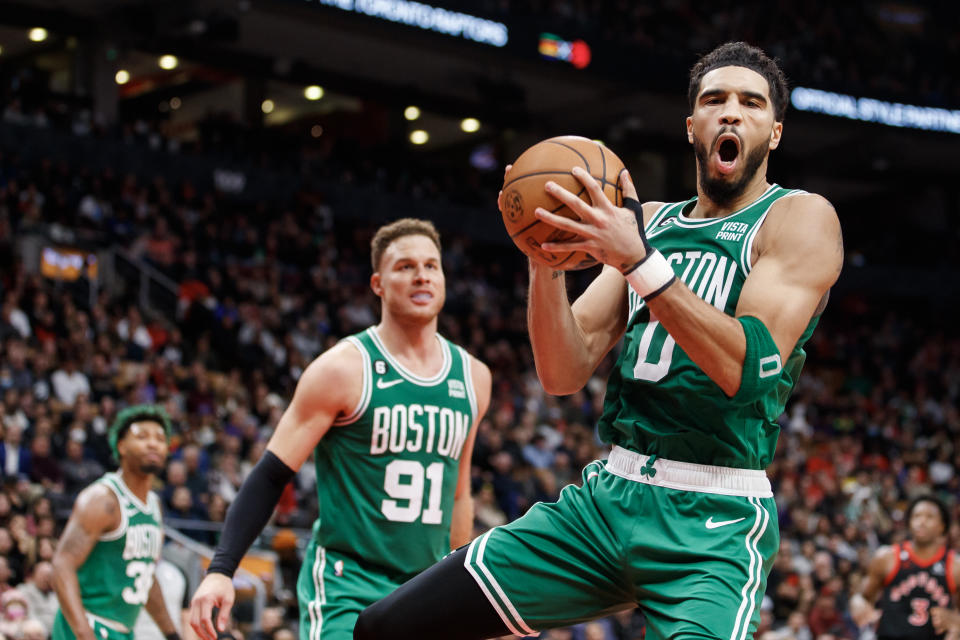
(386, 385)
(710, 524)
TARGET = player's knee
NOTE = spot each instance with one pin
(371, 624)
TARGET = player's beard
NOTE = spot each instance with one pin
(720, 190)
(151, 469)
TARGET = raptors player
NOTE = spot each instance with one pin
(916, 580)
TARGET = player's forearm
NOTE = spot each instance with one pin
(461, 523)
(250, 511)
(157, 609)
(67, 587)
(560, 351)
(711, 338)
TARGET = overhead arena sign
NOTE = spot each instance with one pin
(424, 16)
(892, 114)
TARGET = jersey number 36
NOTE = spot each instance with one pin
(142, 574)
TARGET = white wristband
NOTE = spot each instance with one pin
(652, 275)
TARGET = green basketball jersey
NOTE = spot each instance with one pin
(658, 400)
(116, 577)
(387, 473)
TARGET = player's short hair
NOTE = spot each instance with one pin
(137, 413)
(741, 54)
(386, 234)
(934, 500)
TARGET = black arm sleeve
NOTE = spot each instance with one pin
(250, 511)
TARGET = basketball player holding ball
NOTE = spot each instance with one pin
(715, 297)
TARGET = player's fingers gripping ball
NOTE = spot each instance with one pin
(523, 191)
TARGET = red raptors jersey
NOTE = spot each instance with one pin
(911, 589)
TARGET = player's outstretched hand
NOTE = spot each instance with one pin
(215, 592)
(944, 620)
(864, 616)
(609, 233)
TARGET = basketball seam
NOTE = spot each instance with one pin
(536, 222)
(569, 255)
(536, 173)
(566, 146)
(603, 168)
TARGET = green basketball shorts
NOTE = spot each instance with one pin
(333, 588)
(102, 628)
(690, 544)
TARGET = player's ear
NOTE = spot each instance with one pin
(690, 129)
(376, 284)
(775, 135)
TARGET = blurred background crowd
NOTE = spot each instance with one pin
(211, 300)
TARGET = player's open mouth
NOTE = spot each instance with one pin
(728, 150)
(422, 297)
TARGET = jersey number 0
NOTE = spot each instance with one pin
(653, 371)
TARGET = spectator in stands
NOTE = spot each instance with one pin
(6, 508)
(486, 512)
(176, 477)
(825, 616)
(196, 463)
(38, 592)
(271, 619)
(6, 575)
(69, 382)
(14, 457)
(23, 552)
(796, 628)
(21, 378)
(13, 414)
(13, 318)
(134, 334)
(183, 506)
(78, 469)
(13, 613)
(44, 466)
(46, 546)
(101, 377)
(42, 371)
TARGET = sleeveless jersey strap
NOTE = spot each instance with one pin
(896, 566)
(367, 386)
(121, 529)
(468, 381)
(776, 193)
(951, 579)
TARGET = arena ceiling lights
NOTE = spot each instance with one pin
(429, 18)
(168, 62)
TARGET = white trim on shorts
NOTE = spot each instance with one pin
(319, 594)
(687, 476)
(110, 624)
(511, 615)
(748, 595)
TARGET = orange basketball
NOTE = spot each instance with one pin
(523, 192)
